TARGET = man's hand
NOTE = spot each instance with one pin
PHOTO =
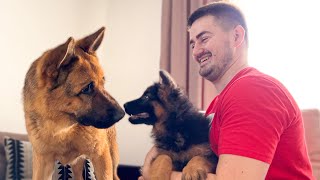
(145, 169)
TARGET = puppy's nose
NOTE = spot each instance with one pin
(125, 105)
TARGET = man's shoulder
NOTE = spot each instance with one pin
(252, 78)
(254, 84)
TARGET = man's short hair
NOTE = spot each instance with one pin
(227, 14)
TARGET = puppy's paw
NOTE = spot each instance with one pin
(161, 168)
(193, 173)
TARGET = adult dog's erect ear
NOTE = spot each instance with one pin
(68, 48)
(56, 58)
(92, 42)
(166, 79)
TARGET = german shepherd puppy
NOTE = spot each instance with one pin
(180, 131)
(69, 114)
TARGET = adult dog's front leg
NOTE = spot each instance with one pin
(161, 168)
(115, 157)
(43, 167)
(77, 168)
(197, 169)
(113, 150)
(103, 167)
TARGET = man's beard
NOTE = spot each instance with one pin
(214, 72)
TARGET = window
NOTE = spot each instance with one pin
(284, 42)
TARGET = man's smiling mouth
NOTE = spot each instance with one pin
(203, 59)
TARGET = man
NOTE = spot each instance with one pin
(257, 129)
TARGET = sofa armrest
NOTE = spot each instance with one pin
(311, 118)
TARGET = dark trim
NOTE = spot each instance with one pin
(128, 172)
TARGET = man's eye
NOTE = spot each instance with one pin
(88, 89)
(204, 39)
(192, 46)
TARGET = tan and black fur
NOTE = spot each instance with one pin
(69, 114)
(180, 131)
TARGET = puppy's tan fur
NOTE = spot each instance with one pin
(69, 115)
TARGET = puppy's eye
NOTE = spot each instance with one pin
(146, 97)
(88, 89)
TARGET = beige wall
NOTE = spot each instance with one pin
(129, 53)
(132, 64)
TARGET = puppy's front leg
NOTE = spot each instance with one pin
(42, 166)
(161, 168)
(197, 169)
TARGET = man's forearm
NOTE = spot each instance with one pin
(177, 176)
(211, 177)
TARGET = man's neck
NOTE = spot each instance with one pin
(239, 64)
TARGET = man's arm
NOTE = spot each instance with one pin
(229, 167)
(234, 167)
(240, 168)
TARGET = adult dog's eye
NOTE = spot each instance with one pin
(88, 89)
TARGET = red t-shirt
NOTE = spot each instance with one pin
(255, 116)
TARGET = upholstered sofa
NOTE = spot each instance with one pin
(312, 128)
(125, 171)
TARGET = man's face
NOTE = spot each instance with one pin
(210, 47)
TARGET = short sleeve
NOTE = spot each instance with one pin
(254, 114)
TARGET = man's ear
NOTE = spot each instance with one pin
(92, 42)
(238, 35)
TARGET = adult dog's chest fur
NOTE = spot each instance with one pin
(68, 142)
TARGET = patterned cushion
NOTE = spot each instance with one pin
(19, 158)
(19, 167)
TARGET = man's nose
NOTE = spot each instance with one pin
(197, 50)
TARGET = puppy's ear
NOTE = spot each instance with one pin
(166, 79)
(92, 42)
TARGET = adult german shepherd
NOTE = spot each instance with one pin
(180, 131)
(69, 114)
